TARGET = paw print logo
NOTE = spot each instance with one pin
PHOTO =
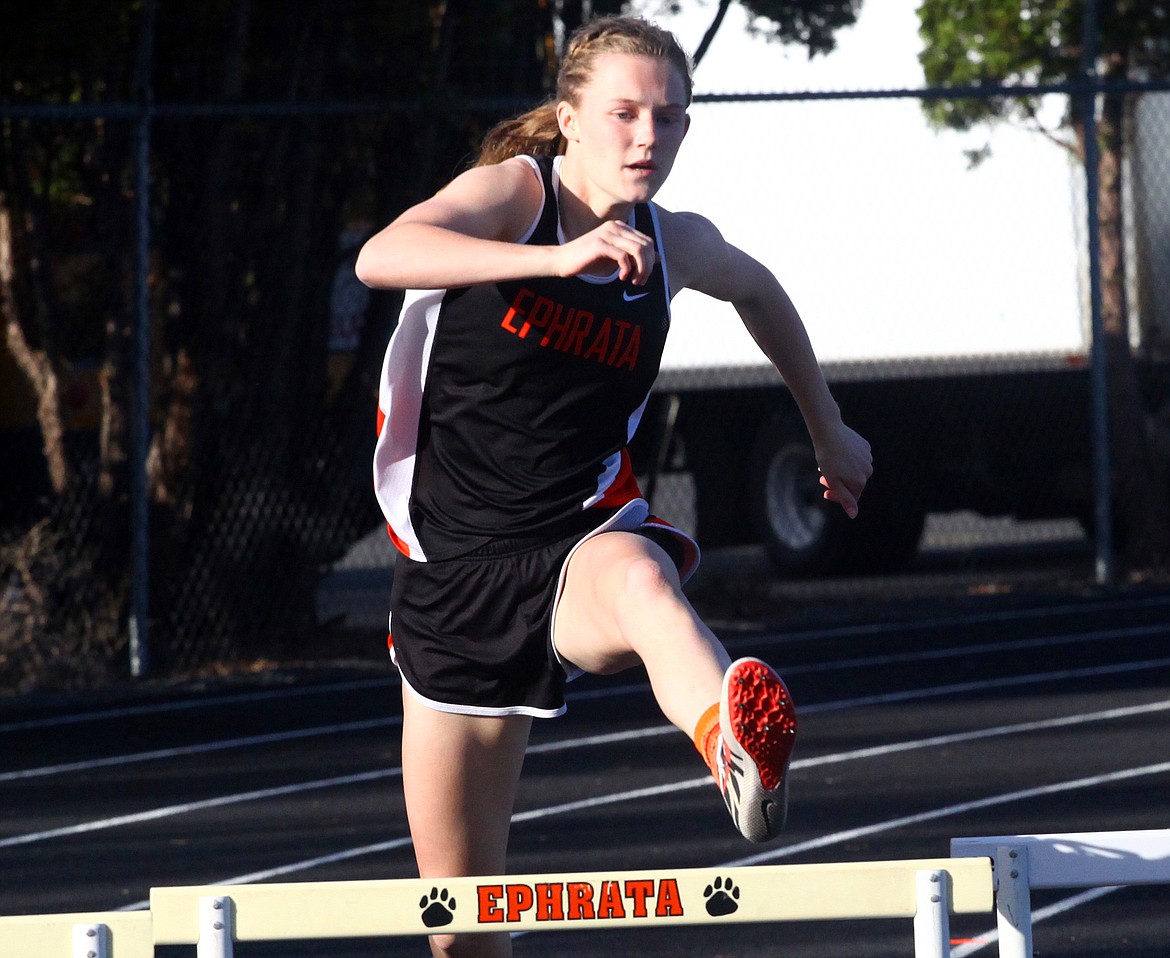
(437, 909)
(722, 898)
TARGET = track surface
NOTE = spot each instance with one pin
(917, 726)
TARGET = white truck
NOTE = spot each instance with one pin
(947, 305)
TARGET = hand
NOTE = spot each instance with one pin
(846, 464)
(612, 245)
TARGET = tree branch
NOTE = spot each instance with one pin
(711, 31)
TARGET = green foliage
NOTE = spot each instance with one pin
(992, 42)
(810, 23)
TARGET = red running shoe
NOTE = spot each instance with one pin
(757, 724)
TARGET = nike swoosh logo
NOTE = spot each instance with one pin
(629, 299)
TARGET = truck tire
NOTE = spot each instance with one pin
(804, 534)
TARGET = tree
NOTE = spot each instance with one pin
(261, 431)
(997, 42)
(809, 23)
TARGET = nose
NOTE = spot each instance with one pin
(647, 130)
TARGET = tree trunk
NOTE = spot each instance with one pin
(36, 363)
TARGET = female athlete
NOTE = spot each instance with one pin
(538, 286)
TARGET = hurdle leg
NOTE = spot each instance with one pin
(1013, 902)
(932, 927)
(91, 941)
(216, 921)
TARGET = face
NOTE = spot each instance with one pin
(625, 130)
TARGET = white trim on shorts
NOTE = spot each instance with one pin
(478, 710)
(629, 518)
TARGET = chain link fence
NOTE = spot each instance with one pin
(949, 306)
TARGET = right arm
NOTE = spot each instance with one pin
(468, 232)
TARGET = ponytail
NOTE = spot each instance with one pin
(535, 133)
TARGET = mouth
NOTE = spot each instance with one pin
(644, 166)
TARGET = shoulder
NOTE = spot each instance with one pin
(699, 258)
(493, 202)
(696, 251)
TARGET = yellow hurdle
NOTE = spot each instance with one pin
(106, 934)
(926, 890)
(213, 917)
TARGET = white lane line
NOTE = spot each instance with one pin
(156, 708)
(989, 938)
(948, 811)
(267, 874)
(185, 808)
(955, 651)
(391, 679)
(1003, 615)
(979, 685)
(817, 843)
(183, 751)
(877, 751)
(1018, 728)
(896, 658)
(885, 698)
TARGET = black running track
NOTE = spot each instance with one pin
(921, 722)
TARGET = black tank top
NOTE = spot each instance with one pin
(529, 394)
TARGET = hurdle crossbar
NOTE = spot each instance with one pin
(923, 889)
(107, 934)
(1067, 860)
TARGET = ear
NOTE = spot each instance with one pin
(686, 124)
(567, 120)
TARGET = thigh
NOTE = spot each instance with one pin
(590, 628)
(459, 775)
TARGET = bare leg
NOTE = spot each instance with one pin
(459, 773)
(622, 604)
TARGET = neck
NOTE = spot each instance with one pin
(578, 214)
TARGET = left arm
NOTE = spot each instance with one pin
(700, 259)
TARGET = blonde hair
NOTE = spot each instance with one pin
(537, 132)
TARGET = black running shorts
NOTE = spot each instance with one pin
(473, 634)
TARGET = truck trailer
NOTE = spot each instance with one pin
(947, 303)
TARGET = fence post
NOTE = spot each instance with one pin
(1098, 377)
(139, 625)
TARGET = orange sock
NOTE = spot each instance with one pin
(707, 735)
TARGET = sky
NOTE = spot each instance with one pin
(890, 245)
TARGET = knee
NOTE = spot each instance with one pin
(470, 946)
(443, 946)
(646, 581)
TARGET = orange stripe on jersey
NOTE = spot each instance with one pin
(625, 486)
(398, 543)
(380, 422)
